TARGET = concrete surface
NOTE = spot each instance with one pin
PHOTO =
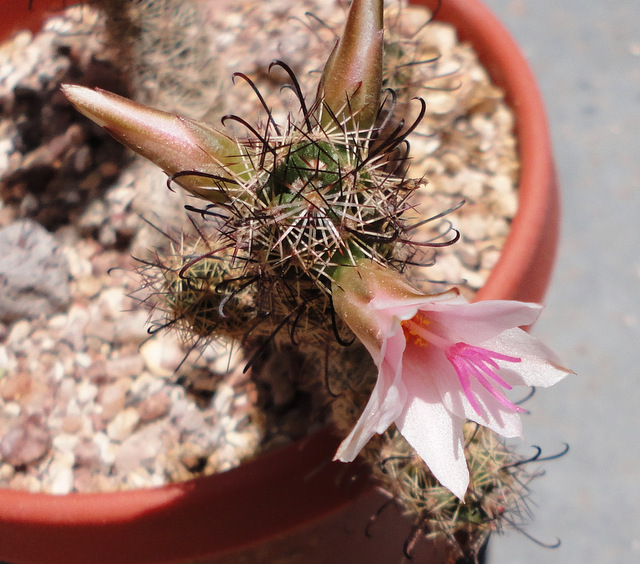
(586, 55)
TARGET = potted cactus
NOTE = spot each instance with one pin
(308, 250)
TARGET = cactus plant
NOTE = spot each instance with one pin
(307, 244)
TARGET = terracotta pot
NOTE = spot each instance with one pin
(292, 505)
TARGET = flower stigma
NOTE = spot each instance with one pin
(468, 361)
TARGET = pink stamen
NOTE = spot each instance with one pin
(469, 361)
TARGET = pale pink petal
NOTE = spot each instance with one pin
(438, 374)
(539, 365)
(477, 322)
(391, 405)
(493, 414)
(436, 435)
(385, 403)
(390, 299)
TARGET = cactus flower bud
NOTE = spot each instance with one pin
(351, 83)
(176, 144)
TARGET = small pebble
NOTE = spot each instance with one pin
(15, 386)
(154, 407)
(128, 366)
(123, 424)
(105, 448)
(489, 259)
(19, 332)
(111, 303)
(87, 454)
(11, 409)
(162, 354)
(473, 226)
(72, 424)
(132, 328)
(193, 457)
(138, 449)
(61, 474)
(6, 472)
(192, 420)
(86, 392)
(113, 397)
(65, 442)
(25, 442)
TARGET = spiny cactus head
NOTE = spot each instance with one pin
(495, 498)
(198, 293)
(328, 204)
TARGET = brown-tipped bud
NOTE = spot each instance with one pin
(351, 82)
(176, 144)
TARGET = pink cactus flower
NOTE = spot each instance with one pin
(441, 361)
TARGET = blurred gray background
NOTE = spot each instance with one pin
(586, 56)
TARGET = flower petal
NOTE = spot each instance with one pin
(436, 435)
(437, 373)
(493, 414)
(479, 321)
(385, 404)
(539, 365)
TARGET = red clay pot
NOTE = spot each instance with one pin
(294, 504)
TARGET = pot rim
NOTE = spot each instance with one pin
(529, 251)
(50, 521)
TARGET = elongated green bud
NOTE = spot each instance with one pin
(176, 144)
(351, 82)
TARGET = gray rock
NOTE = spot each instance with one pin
(34, 274)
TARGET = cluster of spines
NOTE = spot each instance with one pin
(497, 492)
(307, 199)
(310, 201)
